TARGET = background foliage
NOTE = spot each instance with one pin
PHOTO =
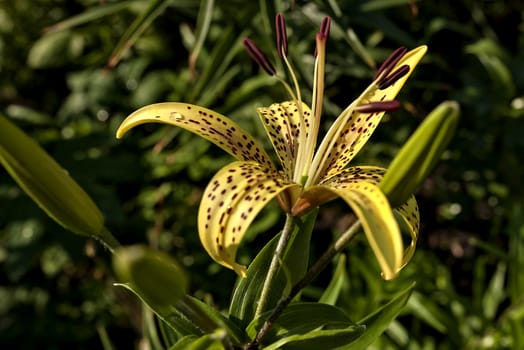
(67, 81)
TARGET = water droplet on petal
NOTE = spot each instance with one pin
(176, 116)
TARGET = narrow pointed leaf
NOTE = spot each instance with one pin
(359, 126)
(325, 339)
(201, 314)
(377, 322)
(231, 201)
(204, 122)
(282, 123)
(154, 9)
(297, 319)
(49, 185)
(205, 15)
(89, 15)
(332, 291)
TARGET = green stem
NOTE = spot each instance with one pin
(275, 263)
(311, 274)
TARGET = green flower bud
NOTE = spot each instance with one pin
(155, 276)
(420, 153)
(49, 185)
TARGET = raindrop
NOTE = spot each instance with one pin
(176, 116)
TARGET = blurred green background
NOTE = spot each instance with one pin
(67, 78)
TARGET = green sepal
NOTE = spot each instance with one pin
(49, 185)
(420, 153)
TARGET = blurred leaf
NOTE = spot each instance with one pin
(338, 280)
(154, 9)
(495, 294)
(28, 114)
(374, 5)
(203, 21)
(52, 50)
(90, 15)
(425, 308)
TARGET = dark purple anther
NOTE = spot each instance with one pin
(325, 26)
(389, 80)
(259, 57)
(280, 25)
(390, 62)
(324, 31)
(382, 106)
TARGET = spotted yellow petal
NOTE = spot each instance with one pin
(231, 201)
(407, 212)
(204, 122)
(282, 123)
(359, 126)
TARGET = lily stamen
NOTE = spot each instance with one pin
(393, 77)
(281, 35)
(386, 67)
(258, 56)
(381, 106)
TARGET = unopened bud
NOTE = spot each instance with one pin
(49, 185)
(420, 153)
(155, 276)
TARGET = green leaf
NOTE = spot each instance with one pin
(245, 296)
(203, 21)
(205, 342)
(301, 318)
(135, 30)
(319, 339)
(49, 185)
(51, 50)
(338, 279)
(295, 262)
(170, 315)
(209, 319)
(379, 320)
(495, 293)
(89, 15)
(184, 342)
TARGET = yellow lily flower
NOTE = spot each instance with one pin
(308, 175)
